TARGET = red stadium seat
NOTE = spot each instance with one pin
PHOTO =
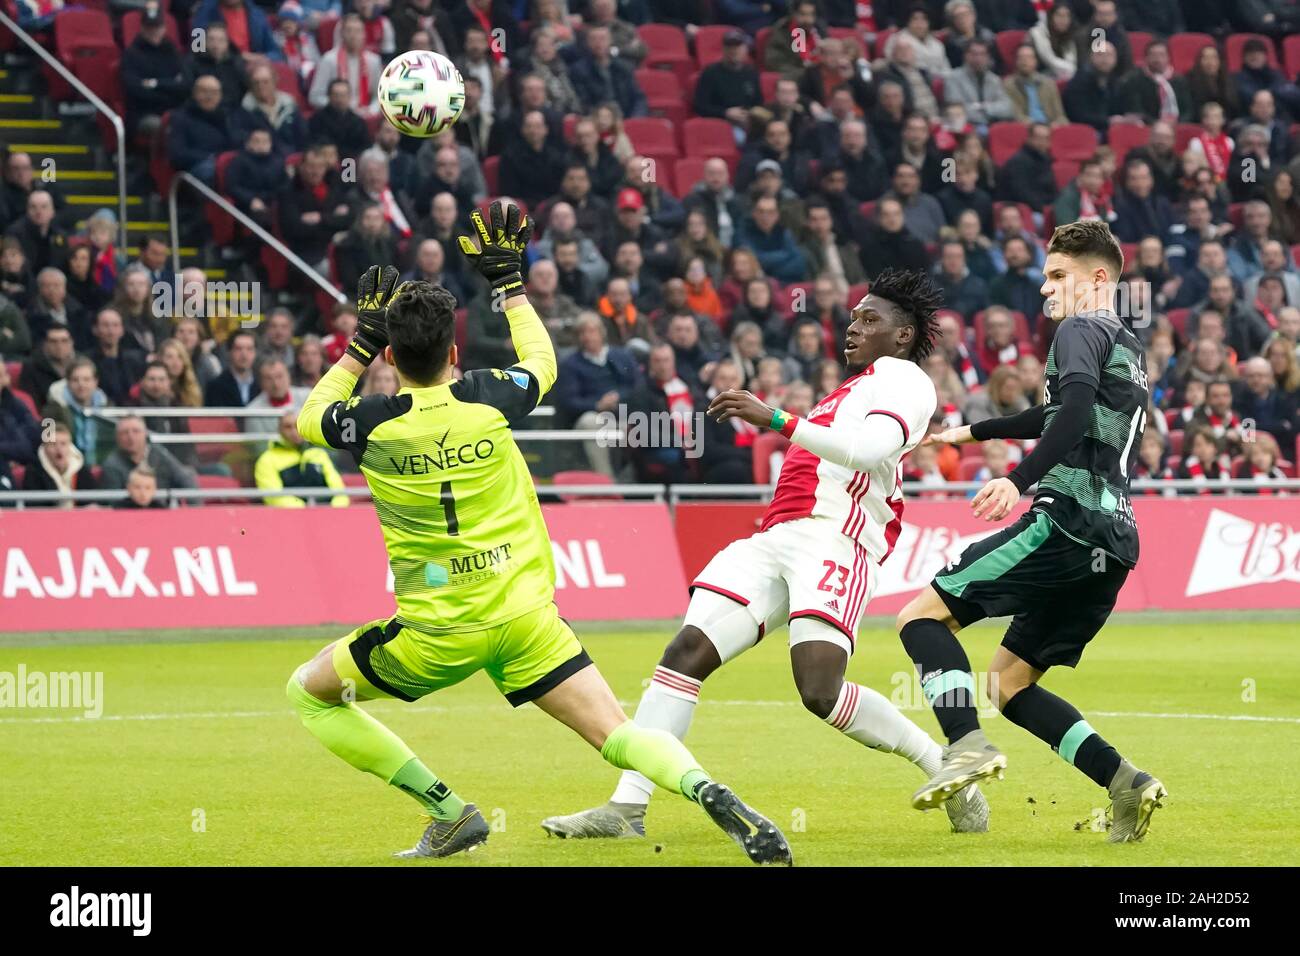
(1129, 251)
(651, 135)
(209, 453)
(1008, 41)
(1139, 42)
(1178, 319)
(857, 293)
(1184, 133)
(1126, 136)
(767, 81)
(15, 370)
(688, 171)
(1076, 141)
(666, 49)
(760, 47)
(223, 224)
(131, 26)
(160, 167)
(26, 399)
(882, 38)
(968, 468)
(1291, 55)
(972, 449)
(1175, 442)
(287, 80)
(1233, 45)
(766, 444)
(585, 478)
(867, 210)
(1065, 170)
(491, 171)
(705, 136)
(325, 34)
(224, 482)
(18, 472)
(354, 479)
(1237, 215)
(1183, 48)
(708, 44)
(1004, 139)
(103, 74)
(660, 88)
(79, 35)
(1026, 212)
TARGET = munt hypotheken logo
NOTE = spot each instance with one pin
(78, 908)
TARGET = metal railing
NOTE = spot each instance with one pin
(180, 411)
(119, 127)
(217, 199)
(660, 493)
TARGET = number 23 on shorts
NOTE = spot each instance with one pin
(833, 569)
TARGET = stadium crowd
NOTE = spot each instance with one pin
(714, 185)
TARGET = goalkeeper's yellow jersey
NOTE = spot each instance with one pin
(465, 536)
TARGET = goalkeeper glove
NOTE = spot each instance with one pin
(374, 291)
(501, 243)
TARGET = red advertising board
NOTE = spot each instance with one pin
(1197, 552)
(253, 566)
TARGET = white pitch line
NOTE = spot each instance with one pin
(244, 714)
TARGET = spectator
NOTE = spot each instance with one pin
(200, 130)
(1018, 287)
(1153, 91)
(380, 36)
(370, 240)
(1033, 95)
(255, 178)
(983, 257)
(313, 209)
(277, 392)
(916, 147)
(923, 214)
(266, 105)
(1094, 95)
(76, 400)
(294, 38)
(1257, 76)
(532, 167)
(1285, 363)
(1263, 112)
(133, 449)
(664, 396)
(717, 201)
(886, 118)
(965, 29)
(1161, 158)
(81, 281)
(50, 308)
(1284, 202)
(1207, 462)
(1105, 17)
(1209, 82)
(141, 489)
(20, 435)
(277, 336)
(16, 278)
(145, 320)
(561, 226)
(493, 15)
(962, 291)
(727, 447)
(59, 466)
(374, 187)
(757, 309)
(48, 365)
(155, 258)
(1084, 197)
(692, 357)
(625, 324)
(290, 462)
(546, 63)
(595, 379)
(1260, 400)
(929, 49)
(729, 88)
(1139, 210)
(153, 73)
(775, 148)
(644, 286)
(117, 367)
(888, 244)
(1027, 176)
(249, 30)
(342, 325)
(977, 88)
(154, 390)
(1245, 329)
(604, 171)
(19, 182)
(236, 386)
(1246, 252)
(1053, 40)
(350, 61)
(1273, 265)
(42, 241)
(1002, 396)
(175, 358)
(338, 123)
(825, 253)
(772, 243)
(217, 59)
(601, 77)
(1250, 170)
(997, 461)
(632, 226)
(558, 312)
(1262, 462)
(965, 194)
(431, 266)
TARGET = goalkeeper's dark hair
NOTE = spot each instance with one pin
(918, 299)
(421, 329)
(1089, 239)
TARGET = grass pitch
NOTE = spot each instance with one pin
(198, 759)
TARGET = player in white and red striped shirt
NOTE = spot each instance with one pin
(834, 518)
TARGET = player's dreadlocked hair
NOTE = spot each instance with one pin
(918, 298)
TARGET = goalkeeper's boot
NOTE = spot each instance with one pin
(968, 811)
(756, 835)
(609, 820)
(445, 837)
(968, 760)
(1134, 797)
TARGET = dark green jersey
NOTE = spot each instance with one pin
(1087, 493)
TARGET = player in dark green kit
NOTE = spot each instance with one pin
(1058, 569)
(471, 560)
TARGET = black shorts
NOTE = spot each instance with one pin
(1059, 590)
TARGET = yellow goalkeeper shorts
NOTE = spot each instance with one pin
(525, 657)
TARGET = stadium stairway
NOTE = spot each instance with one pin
(69, 152)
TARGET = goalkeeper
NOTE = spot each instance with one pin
(469, 552)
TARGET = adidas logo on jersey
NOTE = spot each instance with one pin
(833, 604)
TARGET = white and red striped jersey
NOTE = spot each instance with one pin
(866, 506)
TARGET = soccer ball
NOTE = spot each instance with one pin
(421, 93)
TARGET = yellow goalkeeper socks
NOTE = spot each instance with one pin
(656, 754)
(348, 731)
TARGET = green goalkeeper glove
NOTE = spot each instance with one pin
(374, 291)
(498, 257)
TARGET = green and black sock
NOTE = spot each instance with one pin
(946, 676)
(1059, 723)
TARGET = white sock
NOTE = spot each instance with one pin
(667, 704)
(869, 718)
